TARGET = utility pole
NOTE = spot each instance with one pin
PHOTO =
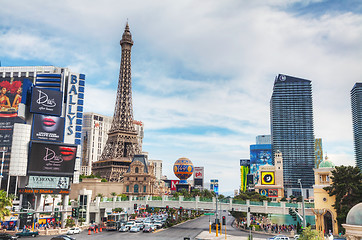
(303, 208)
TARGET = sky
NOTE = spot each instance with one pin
(202, 70)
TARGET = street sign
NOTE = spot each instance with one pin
(209, 213)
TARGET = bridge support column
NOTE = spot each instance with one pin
(230, 204)
(197, 200)
(180, 200)
(265, 204)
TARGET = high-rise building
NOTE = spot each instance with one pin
(356, 101)
(263, 139)
(157, 168)
(122, 143)
(291, 114)
(318, 150)
(95, 135)
(41, 118)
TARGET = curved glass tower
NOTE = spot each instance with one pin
(291, 113)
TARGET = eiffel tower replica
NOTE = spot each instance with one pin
(122, 142)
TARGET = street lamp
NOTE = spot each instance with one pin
(303, 208)
(3, 150)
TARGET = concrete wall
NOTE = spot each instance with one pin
(105, 188)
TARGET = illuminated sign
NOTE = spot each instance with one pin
(49, 128)
(45, 101)
(173, 184)
(267, 178)
(273, 192)
(48, 182)
(263, 192)
(198, 172)
(43, 191)
(54, 159)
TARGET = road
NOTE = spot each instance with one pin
(189, 229)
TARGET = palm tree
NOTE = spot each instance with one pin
(5, 201)
(45, 198)
(53, 196)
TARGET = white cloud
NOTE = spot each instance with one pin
(198, 63)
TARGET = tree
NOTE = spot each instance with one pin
(308, 234)
(252, 196)
(113, 194)
(53, 196)
(347, 188)
(118, 210)
(5, 201)
(44, 201)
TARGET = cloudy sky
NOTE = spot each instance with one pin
(202, 70)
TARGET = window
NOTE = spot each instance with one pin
(144, 188)
(135, 188)
(136, 170)
(127, 188)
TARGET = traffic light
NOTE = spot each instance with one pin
(135, 206)
(74, 212)
(166, 208)
(147, 207)
(223, 220)
(180, 208)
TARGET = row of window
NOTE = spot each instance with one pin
(136, 188)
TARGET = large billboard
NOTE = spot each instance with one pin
(48, 182)
(48, 128)
(260, 154)
(244, 170)
(174, 184)
(51, 158)
(267, 178)
(45, 101)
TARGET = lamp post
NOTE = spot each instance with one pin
(3, 150)
(303, 208)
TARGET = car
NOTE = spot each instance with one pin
(279, 237)
(74, 230)
(123, 229)
(158, 224)
(296, 237)
(27, 233)
(62, 237)
(134, 229)
(7, 236)
(147, 228)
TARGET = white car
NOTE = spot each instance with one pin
(74, 230)
(134, 229)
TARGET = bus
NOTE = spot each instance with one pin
(115, 220)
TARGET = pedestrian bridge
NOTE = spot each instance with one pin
(99, 207)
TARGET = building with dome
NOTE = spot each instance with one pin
(353, 224)
(326, 215)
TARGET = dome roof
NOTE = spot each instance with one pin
(326, 164)
(354, 216)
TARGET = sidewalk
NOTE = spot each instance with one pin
(205, 235)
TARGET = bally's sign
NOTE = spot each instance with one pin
(48, 182)
(45, 101)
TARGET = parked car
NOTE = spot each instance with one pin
(62, 237)
(123, 229)
(74, 230)
(134, 229)
(27, 233)
(7, 236)
(147, 228)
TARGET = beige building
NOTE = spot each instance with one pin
(270, 182)
(97, 187)
(157, 168)
(326, 215)
(139, 180)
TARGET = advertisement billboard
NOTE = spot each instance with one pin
(244, 170)
(267, 178)
(49, 182)
(43, 191)
(48, 128)
(198, 172)
(51, 158)
(260, 154)
(272, 192)
(173, 184)
(45, 101)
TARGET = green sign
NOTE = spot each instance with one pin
(209, 213)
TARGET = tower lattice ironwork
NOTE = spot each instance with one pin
(122, 142)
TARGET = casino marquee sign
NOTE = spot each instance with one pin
(43, 191)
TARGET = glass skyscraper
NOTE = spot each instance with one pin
(291, 113)
(356, 100)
